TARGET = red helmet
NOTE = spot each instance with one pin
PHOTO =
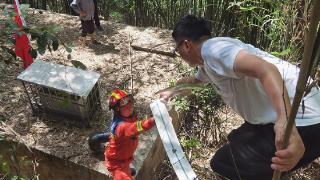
(119, 98)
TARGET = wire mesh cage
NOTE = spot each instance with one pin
(63, 90)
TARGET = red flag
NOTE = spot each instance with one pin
(22, 42)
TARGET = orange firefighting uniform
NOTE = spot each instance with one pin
(123, 143)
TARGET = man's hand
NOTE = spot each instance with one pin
(152, 120)
(165, 96)
(287, 158)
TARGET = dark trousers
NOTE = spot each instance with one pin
(96, 139)
(247, 155)
(96, 15)
(87, 27)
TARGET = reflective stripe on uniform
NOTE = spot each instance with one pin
(116, 95)
(139, 126)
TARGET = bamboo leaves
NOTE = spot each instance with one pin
(282, 54)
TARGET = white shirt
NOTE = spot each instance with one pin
(245, 94)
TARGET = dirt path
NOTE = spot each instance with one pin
(110, 59)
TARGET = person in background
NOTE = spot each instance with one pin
(259, 87)
(96, 16)
(86, 10)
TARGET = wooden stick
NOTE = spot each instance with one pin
(138, 48)
(303, 76)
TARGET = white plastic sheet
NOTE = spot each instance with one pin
(171, 143)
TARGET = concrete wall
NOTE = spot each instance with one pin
(50, 167)
(54, 168)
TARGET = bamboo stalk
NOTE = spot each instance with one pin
(303, 75)
(130, 59)
(316, 54)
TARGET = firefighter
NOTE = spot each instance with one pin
(123, 138)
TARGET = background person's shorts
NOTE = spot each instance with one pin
(87, 27)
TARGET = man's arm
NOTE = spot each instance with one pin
(269, 76)
(165, 96)
(272, 82)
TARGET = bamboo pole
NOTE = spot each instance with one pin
(130, 59)
(303, 76)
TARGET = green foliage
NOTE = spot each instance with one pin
(201, 126)
(68, 49)
(268, 24)
(271, 25)
(190, 143)
(11, 164)
(78, 64)
(17, 178)
(181, 104)
(5, 168)
(117, 16)
(45, 37)
(260, 23)
(282, 54)
(206, 100)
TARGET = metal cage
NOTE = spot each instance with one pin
(62, 90)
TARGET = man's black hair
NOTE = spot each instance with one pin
(192, 28)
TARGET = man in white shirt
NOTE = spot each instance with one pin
(251, 82)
